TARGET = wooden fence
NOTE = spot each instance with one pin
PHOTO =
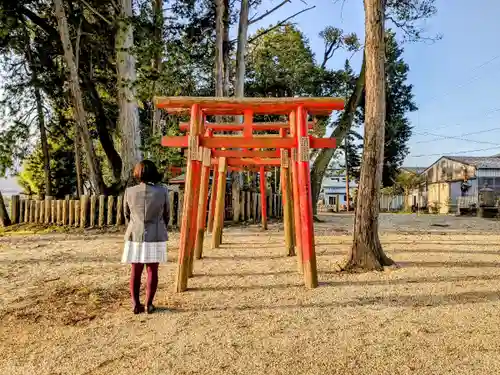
(105, 211)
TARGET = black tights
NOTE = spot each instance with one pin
(135, 282)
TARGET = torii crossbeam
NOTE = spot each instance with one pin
(206, 148)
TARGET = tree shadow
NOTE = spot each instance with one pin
(441, 251)
(255, 244)
(403, 281)
(162, 310)
(245, 257)
(406, 264)
(439, 242)
(225, 288)
(257, 233)
(416, 251)
(340, 283)
(393, 301)
(245, 274)
(65, 258)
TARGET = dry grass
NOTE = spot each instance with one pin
(65, 309)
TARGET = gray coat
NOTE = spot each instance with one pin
(147, 209)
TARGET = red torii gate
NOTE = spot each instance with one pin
(204, 149)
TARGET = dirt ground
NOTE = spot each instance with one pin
(65, 308)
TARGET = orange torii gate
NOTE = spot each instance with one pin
(206, 149)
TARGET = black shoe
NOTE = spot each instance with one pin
(151, 309)
(138, 309)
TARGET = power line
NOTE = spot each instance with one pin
(467, 82)
(470, 80)
(456, 152)
(446, 136)
(487, 115)
(459, 137)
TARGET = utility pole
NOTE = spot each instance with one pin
(347, 203)
(346, 140)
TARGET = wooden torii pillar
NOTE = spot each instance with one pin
(247, 151)
(263, 197)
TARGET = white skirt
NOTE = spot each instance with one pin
(144, 252)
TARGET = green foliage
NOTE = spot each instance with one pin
(399, 101)
(407, 16)
(407, 181)
(280, 64)
(334, 39)
(162, 156)
(14, 147)
(353, 154)
(62, 166)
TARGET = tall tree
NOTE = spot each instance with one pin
(366, 252)
(40, 115)
(281, 64)
(399, 101)
(158, 23)
(407, 181)
(239, 91)
(128, 118)
(352, 88)
(405, 15)
(79, 110)
(241, 49)
(219, 49)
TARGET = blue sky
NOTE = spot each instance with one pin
(455, 79)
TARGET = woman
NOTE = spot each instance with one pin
(147, 211)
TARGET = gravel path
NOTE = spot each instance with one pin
(414, 223)
(64, 308)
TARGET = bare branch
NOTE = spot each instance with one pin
(115, 5)
(77, 44)
(255, 20)
(329, 52)
(355, 52)
(281, 23)
(406, 14)
(411, 33)
(96, 12)
(341, 8)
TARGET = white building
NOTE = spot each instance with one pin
(333, 193)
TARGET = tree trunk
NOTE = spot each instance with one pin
(4, 215)
(80, 115)
(237, 177)
(156, 63)
(128, 118)
(347, 192)
(226, 48)
(103, 124)
(219, 48)
(324, 157)
(43, 139)
(366, 252)
(78, 164)
(41, 117)
(241, 49)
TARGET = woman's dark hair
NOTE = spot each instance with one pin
(145, 171)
